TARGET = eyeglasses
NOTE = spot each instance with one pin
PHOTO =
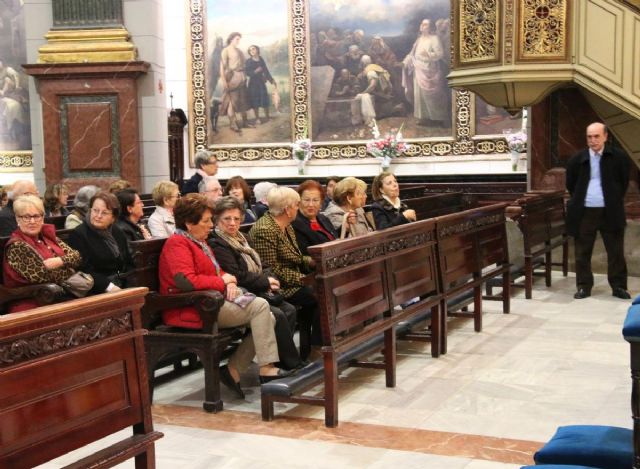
(310, 201)
(231, 219)
(101, 213)
(28, 218)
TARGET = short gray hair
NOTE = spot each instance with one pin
(261, 190)
(202, 186)
(280, 198)
(83, 196)
(202, 158)
(227, 203)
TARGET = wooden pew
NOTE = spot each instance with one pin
(435, 205)
(540, 216)
(361, 284)
(166, 344)
(472, 249)
(57, 221)
(71, 374)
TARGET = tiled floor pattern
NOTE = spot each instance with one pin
(488, 403)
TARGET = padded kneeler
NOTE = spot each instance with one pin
(597, 446)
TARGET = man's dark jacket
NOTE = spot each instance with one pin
(614, 175)
(190, 186)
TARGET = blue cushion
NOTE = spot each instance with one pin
(598, 446)
(631, 328)
(636, 301)
(557, 466)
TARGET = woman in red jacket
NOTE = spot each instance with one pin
(187, 264)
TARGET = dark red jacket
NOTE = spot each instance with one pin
(183, 259)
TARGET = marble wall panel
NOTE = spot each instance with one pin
(89, 142)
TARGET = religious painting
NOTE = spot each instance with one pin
(15, 130)
(247, 72)
(379, 60)
(492, 120)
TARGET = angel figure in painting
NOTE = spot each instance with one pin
(234, 87)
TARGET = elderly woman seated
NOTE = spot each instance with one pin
(131, 211)
(274, 239)
(34, 254)
(187, 263)
(310, 225)
(238, 188)
(161, 224)
(346, 212)
(80, 206)
(388, 210)
(237, 258)
(55, 200)
(102, 245)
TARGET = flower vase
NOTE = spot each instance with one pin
(515, 157)
(385, 163)
(301, 167)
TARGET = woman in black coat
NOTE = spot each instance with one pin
(103, 246)
(388, 210)
(310, 226)
(236, 257)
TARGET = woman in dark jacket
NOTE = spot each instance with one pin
(310, 226)
(103, 246)
(387, 209)
(131, 211)
(237, 258)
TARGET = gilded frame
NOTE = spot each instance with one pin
(462, 140)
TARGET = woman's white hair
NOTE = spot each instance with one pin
(261, 190)
(22, 203)
(279, 198)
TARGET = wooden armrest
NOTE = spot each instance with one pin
(206, 302)
(42, 293)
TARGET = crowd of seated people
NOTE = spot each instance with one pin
(261, 272)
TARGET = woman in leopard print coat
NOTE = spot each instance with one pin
(34, 254)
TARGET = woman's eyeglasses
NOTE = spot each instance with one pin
(28, 218)
(101, 213)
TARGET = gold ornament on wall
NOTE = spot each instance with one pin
(478, 31)
(543, 30)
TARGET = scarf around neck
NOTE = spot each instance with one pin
(202, 245)
(106, 235)
(240, 244)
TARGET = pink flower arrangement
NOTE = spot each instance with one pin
(387, 147)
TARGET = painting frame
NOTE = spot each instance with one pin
(16, 153)
(461, 142)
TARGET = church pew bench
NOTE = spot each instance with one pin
(361, 284)
(71, 374)
(166, 344)
(472, 249)
(541, 220)
(435, 205)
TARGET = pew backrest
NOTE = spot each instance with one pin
(71, 374)
(435, 205)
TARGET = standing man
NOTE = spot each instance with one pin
(597, 180)
(206, 165)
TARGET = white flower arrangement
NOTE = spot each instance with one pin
(301, 150)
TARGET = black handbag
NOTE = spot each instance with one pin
(274, 298)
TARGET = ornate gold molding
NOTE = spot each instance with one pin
(543, 30)
(87, 45)
(16, 161)
(478, 31)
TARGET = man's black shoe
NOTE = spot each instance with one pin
(582, 293)
(621, 293)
